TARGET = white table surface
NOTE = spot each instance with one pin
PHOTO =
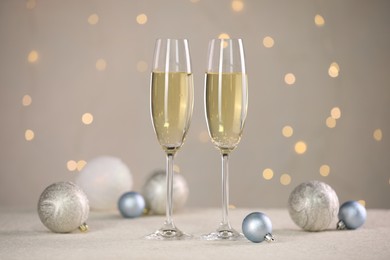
(22, 236)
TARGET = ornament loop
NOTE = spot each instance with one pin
(84, 227)
(269, 238)
(341, 225)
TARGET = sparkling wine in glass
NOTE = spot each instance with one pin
(226, 104)
(171, 102)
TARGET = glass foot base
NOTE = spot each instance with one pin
(168, 234)
(227, 234)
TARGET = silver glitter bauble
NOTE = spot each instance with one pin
(104, 179)
(313, 205)
(63, 207)
(155, 192)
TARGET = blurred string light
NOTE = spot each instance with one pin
(204, 136)
(101, 64)
(268, 174)
(30, 4)
(93, 19)
(377, 135)
(330, 122)
(33, 56)
(319, 20)
(289, 78)
(142, 66)
(362, 202)
(334, 70)
(324, 170)
(300, 147)
(268, 42)
(29, 135)
(142, 19)
(287, 131)
(237, 5)
(72, 165)
(87, 118)
(223, 36)
(285, 179)
(335, 113)
(26, 100)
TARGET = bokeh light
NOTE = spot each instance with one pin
(289, 78)
(268, 42)
(142, 66)
(223, 36)
(334, 70)
(300, 147)
(237, 5)
(71, 165)
(335, 113)
(93, 19)
(377, 134)
(101, 64)
(29, 135)
(362, 202)
(268, 174)
(87, 118)
(204, 136)
(285, 179)
(30, 4)
(324, 170)
(81, 164)
(287, 131)
(33, 56)
(319, 20)
(330, 122)
(26, 100)
(142, 19)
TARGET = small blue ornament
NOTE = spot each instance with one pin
(257, 227)
(131, 204)
(352, 215)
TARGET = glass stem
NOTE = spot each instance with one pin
(225, 192)
(169, 179)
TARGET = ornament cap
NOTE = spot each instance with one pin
(84, 227)
(341, 225)
(269, 238)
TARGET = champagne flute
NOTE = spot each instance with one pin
(226, 104)
(171, 100)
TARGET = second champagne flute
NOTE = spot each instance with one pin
(226, 104)
(171, 101)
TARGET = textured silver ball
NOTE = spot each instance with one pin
(155, 192)
(63, 207)
(131, 204)
(104, 179)
(313, 205)
(256, 226)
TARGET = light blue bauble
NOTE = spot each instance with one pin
(257, 227)
(352, 215)
(131, 204)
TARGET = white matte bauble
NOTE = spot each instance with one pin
(155, 192)
(313, 205)
(104, 179)
(63, 207)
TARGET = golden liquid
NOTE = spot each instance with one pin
(171, 107)
(226, 108)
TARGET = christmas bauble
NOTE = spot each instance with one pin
(257, 227)
(155, 192)
(131, 204)
(104, 179)
(313, 205)
(63, 207)
(352, 215)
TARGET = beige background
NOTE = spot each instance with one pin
(64, 84)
